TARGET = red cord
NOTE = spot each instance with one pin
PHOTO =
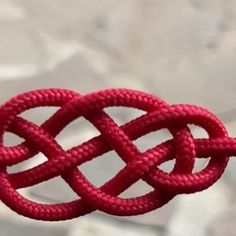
(183, 148)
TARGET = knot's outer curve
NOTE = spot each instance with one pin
(183, 148)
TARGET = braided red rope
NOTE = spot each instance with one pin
(183, 148)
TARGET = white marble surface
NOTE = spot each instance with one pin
(182, 50)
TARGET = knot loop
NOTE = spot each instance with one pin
(183, 148)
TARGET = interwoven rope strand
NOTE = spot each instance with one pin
(158, 114)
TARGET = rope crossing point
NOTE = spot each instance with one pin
(183, 148)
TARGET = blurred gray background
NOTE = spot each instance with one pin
(183, 51)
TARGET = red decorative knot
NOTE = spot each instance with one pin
(139, 165)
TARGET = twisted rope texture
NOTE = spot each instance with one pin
(183, 148)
